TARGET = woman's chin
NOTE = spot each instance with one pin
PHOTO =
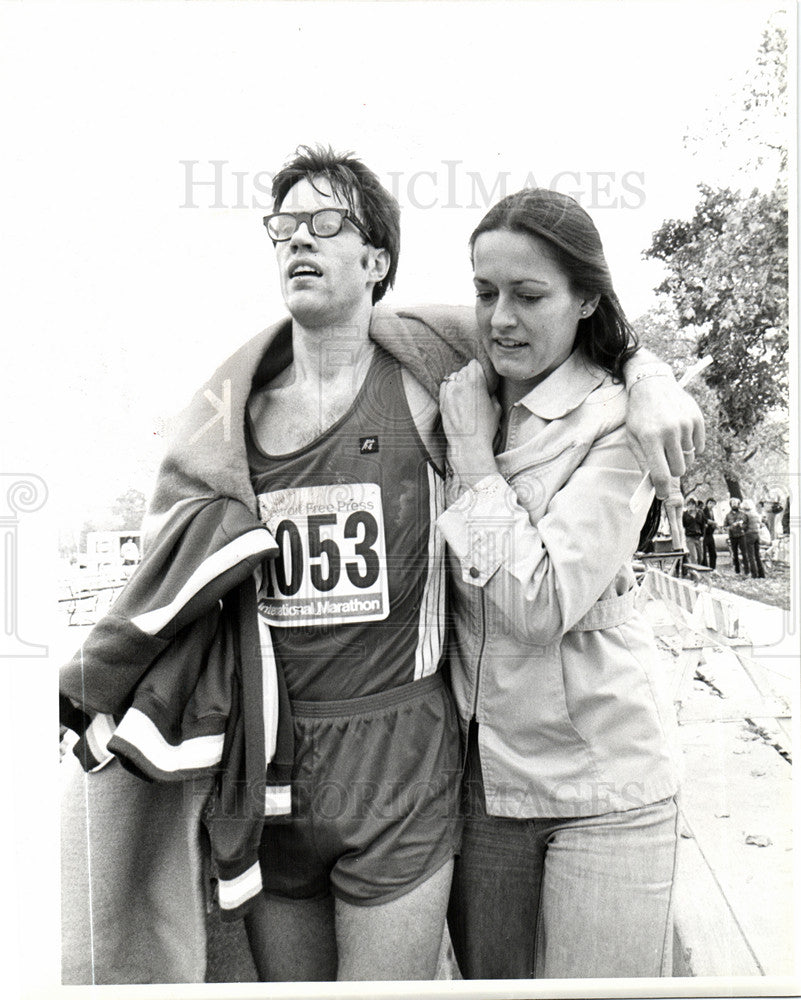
(507, 365)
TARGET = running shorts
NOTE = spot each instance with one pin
(375, 797)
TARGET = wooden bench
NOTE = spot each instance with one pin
(667, 561)
(86, 601)
(694, 570)
(78, 600)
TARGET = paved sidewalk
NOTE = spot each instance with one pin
(735, 891)
(776, 637)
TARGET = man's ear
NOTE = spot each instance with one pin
(377, 264)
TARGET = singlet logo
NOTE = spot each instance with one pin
(368, 446)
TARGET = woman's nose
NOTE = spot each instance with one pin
(503, 317)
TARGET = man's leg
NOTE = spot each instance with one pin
(758, 559)
(396, 940)
(701, 552)
(292, 940)
(734, 544)
(751, 543)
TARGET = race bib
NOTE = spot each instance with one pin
(331, 566)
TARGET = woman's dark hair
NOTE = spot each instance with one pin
(361, 191)
(606, 337)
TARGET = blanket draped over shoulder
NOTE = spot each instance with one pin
(177, 685)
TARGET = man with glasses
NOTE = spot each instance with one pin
(348, 476)
(333, 443)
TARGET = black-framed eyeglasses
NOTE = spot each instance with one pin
(325, 222)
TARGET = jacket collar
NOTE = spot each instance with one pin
(564, 389)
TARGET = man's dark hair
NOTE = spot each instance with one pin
(359, 188)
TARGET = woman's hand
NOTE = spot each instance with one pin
(470, 420)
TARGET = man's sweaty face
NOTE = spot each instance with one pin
(324, 280)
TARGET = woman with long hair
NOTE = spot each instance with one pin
(569, 852)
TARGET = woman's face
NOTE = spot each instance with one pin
(526, 312)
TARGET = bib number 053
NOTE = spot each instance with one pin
(331, 562)
(320, 553)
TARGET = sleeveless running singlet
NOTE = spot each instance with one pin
(355, 598)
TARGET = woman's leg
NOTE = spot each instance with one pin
(607, 894)
(492, 914)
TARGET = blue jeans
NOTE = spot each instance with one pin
(576, 897)
(710, 552)
(695, 547)
(753, 562)
(737, 546)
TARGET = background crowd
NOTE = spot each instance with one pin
(748, 528)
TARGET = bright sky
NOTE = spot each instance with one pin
(123, 299)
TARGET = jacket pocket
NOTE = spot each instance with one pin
(608, 612)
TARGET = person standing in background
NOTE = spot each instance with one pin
(129, 551)
(710, 555)
(772, 508)
(734, 523)
(751, 540)
(693, 522)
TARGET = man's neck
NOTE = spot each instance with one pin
(329, 365)
(332, 352)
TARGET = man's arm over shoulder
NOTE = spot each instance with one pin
(663, 422)
(431, 341)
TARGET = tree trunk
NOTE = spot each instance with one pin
(733, 486)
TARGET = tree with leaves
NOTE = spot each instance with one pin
(728, 279)
(128, 510)
(727, 276)
(755, 144)
(732, 463)
(127, 513)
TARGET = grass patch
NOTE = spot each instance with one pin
(774, 589)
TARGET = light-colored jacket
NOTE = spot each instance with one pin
(549, 652)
